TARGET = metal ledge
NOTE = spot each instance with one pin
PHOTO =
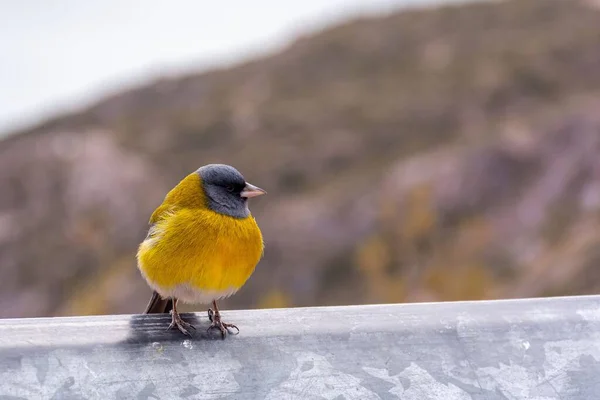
(537, 349)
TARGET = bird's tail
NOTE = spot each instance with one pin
(158, 305)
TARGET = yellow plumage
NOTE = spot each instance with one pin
(195, 254)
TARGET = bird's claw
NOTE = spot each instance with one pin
(177, 322)
(216, 323)
(223, 327)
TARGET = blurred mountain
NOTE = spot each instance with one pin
(435, 154)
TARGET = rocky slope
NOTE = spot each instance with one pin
(435, 154)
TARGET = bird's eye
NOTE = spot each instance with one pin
(229, 188)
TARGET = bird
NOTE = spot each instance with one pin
(202, 245)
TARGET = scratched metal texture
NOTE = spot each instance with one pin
(535, 349)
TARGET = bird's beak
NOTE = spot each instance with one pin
(251, 191)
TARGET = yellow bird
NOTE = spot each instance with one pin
(203, 244)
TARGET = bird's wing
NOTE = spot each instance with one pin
(162, 212)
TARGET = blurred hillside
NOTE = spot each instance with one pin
(435, 154)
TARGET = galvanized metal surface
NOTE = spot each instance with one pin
(538, 349)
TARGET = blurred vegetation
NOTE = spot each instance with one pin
(437, 154)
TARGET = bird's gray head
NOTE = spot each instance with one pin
(226, 190)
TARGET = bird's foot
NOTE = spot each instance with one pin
(180, 324)
(216, 323)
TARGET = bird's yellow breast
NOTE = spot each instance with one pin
(199, 248)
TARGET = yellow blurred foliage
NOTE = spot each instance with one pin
(95, 297)
(385, 288)
(373, 256)
(373, 259)
(419, 215)
(394, 290)
(274, 299)
(473, 235)
(453, 283)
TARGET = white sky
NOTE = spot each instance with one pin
(57, 55)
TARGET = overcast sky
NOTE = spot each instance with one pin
(56, 55)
